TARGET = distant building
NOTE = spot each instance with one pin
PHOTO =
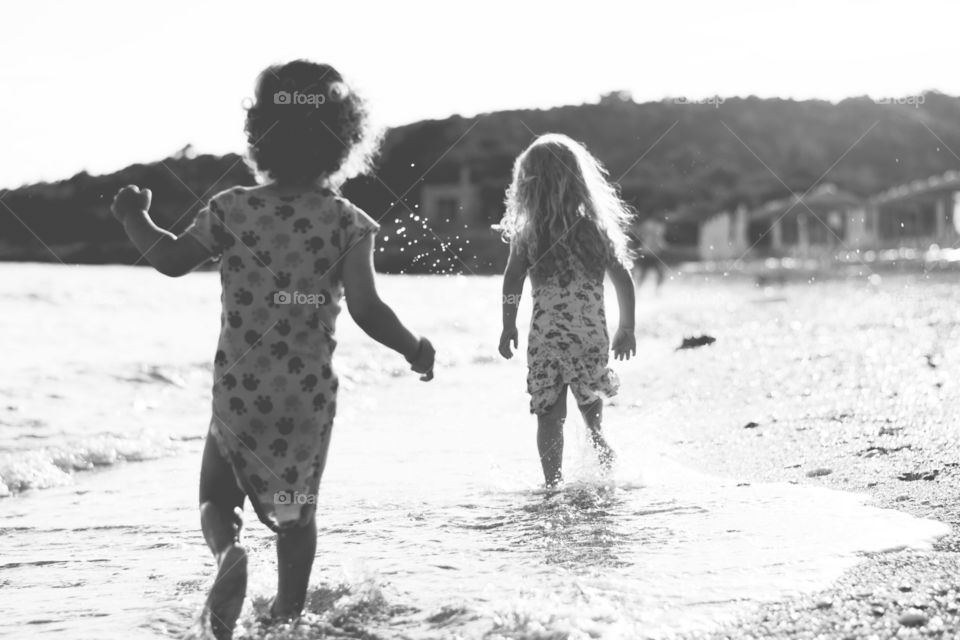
(828, 220)
(466, 193)
(452, 204)
(724, 235)
(460, 201)
(918, 214)
(818, 224)
(467, 197)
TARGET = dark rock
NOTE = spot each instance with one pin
(697, 341)
(911, 476)
(913, 619)
(869, 452)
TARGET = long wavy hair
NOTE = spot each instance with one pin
(307, 123)
(561, 204)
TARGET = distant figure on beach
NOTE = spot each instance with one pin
(646, 244)
(289, 251)
(567, 228)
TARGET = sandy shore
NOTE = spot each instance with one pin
(867, 401)
(902, 594)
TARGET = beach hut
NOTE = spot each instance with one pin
(723, 236)
(817, 224)
(918, 214)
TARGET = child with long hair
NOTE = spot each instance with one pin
(289, 250)
(566, 227)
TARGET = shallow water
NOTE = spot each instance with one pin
(431, 525)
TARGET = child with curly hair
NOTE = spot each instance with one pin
(566, 227)
(289, 250)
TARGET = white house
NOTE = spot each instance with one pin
(724, 236)
(820, 223)
(918, 214)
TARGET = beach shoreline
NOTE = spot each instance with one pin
(899, 448)
(899, 593)
(792, 391)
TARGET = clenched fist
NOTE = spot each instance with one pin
(129, 200)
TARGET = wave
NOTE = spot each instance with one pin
(54, 466)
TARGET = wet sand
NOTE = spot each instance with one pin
(867, 400)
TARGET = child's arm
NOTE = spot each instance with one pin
(170, 255)
(374, 316)
(624, 342)
(513, 278)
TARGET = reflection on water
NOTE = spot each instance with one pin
(584, 525)
(619, 558)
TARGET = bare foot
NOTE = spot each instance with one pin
(227, 593)
(276, 615)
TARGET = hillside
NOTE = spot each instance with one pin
(709, 157)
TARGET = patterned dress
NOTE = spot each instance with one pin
(568, 343)
(275, 391)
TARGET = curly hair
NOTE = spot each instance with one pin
(306, 123)
(561, 204)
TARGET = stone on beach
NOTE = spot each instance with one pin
(913, 619)
(911, 476)
(697, 341)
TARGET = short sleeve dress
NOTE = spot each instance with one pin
(275, 390)
(568, 345)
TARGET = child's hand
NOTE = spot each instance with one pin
(624, 344)
(422, 360)
(508, 335)
(129, 200)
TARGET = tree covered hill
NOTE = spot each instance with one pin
(670, 155)
(712, 156)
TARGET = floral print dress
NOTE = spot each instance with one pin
(275, 391)
(568, 343)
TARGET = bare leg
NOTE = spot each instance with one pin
(219, 497)
(296, 548)
(593, 417)
(550, 440)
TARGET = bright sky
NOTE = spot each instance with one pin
(97, 85)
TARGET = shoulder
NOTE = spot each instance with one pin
(228, 198)
(353, 216)
(345, 205)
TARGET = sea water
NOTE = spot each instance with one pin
(431, 522)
